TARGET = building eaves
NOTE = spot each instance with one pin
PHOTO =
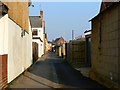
(37, 38)
(57, 39)
(103, 11)
(87, 31)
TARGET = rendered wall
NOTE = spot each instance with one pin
(19, 50)
(41, 44)
(3, 35)
(40, 48)
(3, 50)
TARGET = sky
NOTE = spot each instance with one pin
(63, 17)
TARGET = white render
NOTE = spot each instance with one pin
(63, 49)
(40, 47)
(40, 43)
(3, 35)
(60, 49)
(19, 49)
(88, 33)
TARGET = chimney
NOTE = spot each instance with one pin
(41, 14)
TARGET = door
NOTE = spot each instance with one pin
(3, 70)
(89, 51)
(35, 51)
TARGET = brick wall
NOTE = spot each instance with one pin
(105, 48)
(61, 40)
(18, 12)
(3, 70)
(119, 46)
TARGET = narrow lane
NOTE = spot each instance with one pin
(54, 72)
(67, 75)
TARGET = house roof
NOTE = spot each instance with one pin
(105, 6)
(3, 9)
(60, 38)
(57, 39)
(36, 21)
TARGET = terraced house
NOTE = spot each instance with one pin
(38, 32)
(15, 40)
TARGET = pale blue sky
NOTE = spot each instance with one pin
(63, 17)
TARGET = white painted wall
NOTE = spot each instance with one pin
(40, 47)
(60, 51)
(4, 35)
(40, 33)
(63, 49)
(40, 44)
(28, 47)
(19, 50)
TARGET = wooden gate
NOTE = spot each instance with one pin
(35, 51)
(77, 51)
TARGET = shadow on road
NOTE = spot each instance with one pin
(57, 71)
(69, 76)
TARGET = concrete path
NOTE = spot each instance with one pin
(53, 72)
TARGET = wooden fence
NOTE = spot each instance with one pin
(75, 52)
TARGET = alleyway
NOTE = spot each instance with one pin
(53, 72)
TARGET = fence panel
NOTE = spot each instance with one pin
(76, 52)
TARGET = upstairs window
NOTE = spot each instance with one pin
(35, 32)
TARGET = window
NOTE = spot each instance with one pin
(35, 32)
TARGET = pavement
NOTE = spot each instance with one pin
(52, 72)
(84, 71)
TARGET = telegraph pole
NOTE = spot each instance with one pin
(72, 34)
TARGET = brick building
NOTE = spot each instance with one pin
(58, 48)
(88, 35)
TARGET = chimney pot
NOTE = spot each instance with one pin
(41, 13)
